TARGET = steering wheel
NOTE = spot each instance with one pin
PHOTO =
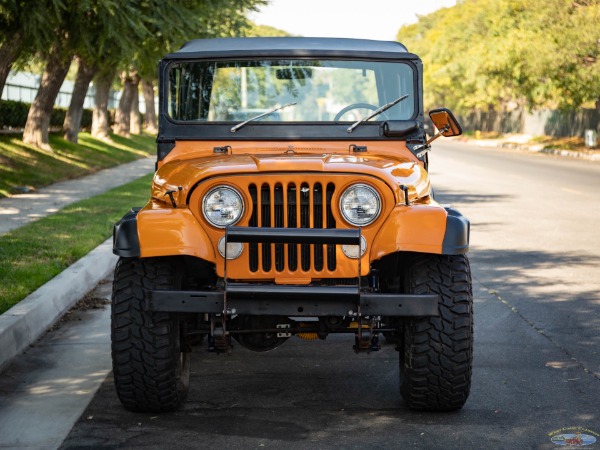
(345, 109)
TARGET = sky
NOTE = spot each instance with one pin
(366, 19)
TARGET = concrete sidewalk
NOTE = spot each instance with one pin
(45, 390)
(21, 209)
(25, 322)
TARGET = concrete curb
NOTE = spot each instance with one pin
(533, 148)
(25, 322)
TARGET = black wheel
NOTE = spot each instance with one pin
(151, 373)
(437, 352)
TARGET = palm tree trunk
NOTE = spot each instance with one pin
(38, 119)
(123, 115)
(148, 93)
(100, 118)
(72, 122)
(9, 50)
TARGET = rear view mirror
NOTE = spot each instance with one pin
(445, 122)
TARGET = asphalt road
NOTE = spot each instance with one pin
(536, 264)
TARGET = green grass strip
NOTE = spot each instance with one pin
(24, 166)
(35, 253)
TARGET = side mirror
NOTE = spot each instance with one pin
(445, 122)
(447, 125)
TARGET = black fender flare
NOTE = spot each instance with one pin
(126, 242)
(456, 237)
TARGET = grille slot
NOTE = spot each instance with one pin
(307, 205)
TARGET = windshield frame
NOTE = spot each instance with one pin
(276, 130)
(278, 60)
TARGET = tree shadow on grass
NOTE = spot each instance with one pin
(134, 142)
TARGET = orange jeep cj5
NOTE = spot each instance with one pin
(291, 199)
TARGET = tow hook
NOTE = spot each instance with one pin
(365, 340)
(219, 340)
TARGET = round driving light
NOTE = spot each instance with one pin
(360, 204)
(234, 249)
(222, 206)
(351, 251)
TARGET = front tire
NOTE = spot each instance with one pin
(151, 372)
(437, 353)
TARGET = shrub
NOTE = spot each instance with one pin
(58, 116)
(14, 115)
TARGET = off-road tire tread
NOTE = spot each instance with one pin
(145, 345)
(437, 356)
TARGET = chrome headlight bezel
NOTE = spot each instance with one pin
(206, 204)
(344, 201)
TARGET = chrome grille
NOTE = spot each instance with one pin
(291, 205)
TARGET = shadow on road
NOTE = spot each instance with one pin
(469, 198)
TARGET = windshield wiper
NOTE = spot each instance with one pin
(268, 113)
(375, 113)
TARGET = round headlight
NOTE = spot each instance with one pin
(222, 206)
(360, 204)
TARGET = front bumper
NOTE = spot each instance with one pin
(293, 300)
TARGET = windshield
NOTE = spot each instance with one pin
(323, 90)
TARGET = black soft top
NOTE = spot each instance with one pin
(300, 47)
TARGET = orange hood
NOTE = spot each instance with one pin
(181, 175)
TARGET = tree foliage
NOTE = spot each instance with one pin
(265, 31)
(499, 54)
(190, 19)
(25, 28)
(107, 37)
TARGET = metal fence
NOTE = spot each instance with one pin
(544, 122)
(26, 94)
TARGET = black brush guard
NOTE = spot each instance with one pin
(293, 300)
